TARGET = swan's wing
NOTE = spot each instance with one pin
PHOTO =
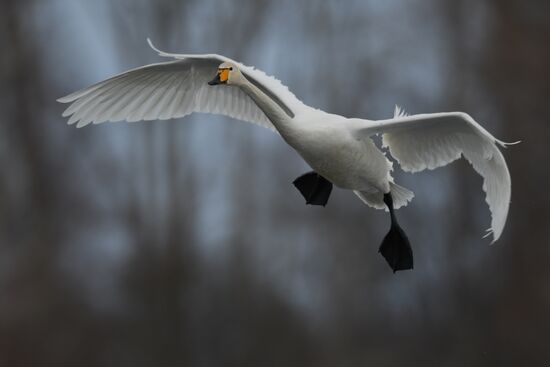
(174, 89)
(429, 141)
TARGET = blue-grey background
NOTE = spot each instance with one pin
(184, 243)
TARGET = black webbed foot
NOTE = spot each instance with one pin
(314, 188)
(395, 247)
(397, 250)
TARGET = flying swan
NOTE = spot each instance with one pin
(338, 149)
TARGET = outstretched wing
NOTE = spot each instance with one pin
(429, 141)
(174, 89)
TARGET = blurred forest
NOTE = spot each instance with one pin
(183, 243)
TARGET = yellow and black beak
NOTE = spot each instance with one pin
(221, 77)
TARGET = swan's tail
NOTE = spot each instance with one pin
(401, 197)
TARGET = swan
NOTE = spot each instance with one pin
(339, 150)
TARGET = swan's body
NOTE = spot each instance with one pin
(337, 148)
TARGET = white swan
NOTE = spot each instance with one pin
(339, 150)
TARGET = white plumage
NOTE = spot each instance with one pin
(337, 148)
(430, 141)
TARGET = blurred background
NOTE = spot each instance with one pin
(184, 243)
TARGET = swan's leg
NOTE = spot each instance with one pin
(395, 247)
(314, 188)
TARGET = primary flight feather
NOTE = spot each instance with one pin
(340, 150)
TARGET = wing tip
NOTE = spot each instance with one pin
(81, 124)
(158, 51)
(505, 144)
(66, 99)
(66, 113)
(399, 111)
(496, 235)
(150, 43)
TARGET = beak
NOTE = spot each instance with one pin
(216, 80)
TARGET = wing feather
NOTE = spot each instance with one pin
(121, 98)
(167, 110)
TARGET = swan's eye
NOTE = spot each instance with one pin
(231, 68)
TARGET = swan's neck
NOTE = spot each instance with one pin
(275, 114)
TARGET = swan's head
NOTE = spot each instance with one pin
(228, 73)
